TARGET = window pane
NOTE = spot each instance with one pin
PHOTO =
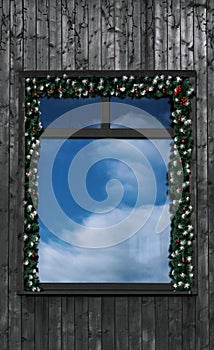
(104, 211)
(70, 112)
(140, 113)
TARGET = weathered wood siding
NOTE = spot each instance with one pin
(106, 34)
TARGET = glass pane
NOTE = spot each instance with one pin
(140, 113)
(104, 210)
(70, 112)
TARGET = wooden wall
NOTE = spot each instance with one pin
(109, 35)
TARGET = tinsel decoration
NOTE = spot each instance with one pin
(179, 91)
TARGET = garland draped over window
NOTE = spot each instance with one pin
(179, 90)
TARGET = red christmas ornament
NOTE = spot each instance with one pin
(180, 160)
(117, 88)
(184, 208)
(183, 140)
(33, 130)
(90, 91)
(35, 94)
(60, 88)
(147, 89)
(30, 174)
(183, 260)
(179, 119)
(178, 240)
(33, 256)
(163, 91)
(31, 110)
(34, 192)
(76, 90)
(136, 91)
(51, 90)
(183, 100)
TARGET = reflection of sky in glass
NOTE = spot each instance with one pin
(140, 113)
(141, 258)
(76, 112)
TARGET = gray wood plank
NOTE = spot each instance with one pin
(160, 38)
(200, 55)
(81, 323)
(42, 46)
(55, 34)
(41, 323)
(121, 34)
(68, 323)
(4, 167)
(174, 32)
(161, 323)
(210, 101)
(94, 314)
(134, 319)
(175, 322)
(27, 321)
(16, 207)
(148, 53)
(108, 312)
(94, 34)
(108, 34)
(134, 34)
(81, 35)
(148, 323)
(189, 323)
(121, 323)
(186, 34)
(30, 52)
(68, 30)
(54, 320)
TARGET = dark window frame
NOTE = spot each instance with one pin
(103, 132)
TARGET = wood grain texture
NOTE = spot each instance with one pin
(55, 321)
(148, 38)
(135, 320)
(68, 323)
(210, 111)
(94, 327)
(134, 34)
(121, 323)
(121, 34)
(42, 23)
(148, 323)
(30, 40)
(94, 35)
(108, 34)
(55, 34)
(187, 18)
(175, 323)
(4, 167)
(28, 319)
(160, 38)
(189, 323)
(41, 323)
(81, 323)
(68, 31)
(174, 33)
(161, 323)
(81, 35)
(200, 56)
(108, 322)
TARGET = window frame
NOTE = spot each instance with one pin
(105, 132)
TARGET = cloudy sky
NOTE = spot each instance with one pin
(104, 211)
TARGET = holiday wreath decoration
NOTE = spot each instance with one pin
(179, 91)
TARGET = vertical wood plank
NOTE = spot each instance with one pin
(94, 41)
(55, 34)
(174, 32)
(41, 323)
(148, 48)
(68, 28)
(108, 312)
(81, 323)
(15, 216)
(210, 101)
(28, 317)
(30, 50)
(54, 320)
(134, 34)
(186, 34)
(189, 323)
(134, 312)
(108, 34)
(94, 313)
(121, 323)
(161, 323)
(160, 40)
(175, 322)
(81, 35)
(42, 34)
(67, 322)
(4, 167)
(121, 34)
(200, 56)
(148, 323)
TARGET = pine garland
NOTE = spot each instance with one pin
(179, 91)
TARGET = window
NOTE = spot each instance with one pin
(113, 167)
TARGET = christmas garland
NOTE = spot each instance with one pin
(179, 91)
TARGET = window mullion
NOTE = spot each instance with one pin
(105, 112)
